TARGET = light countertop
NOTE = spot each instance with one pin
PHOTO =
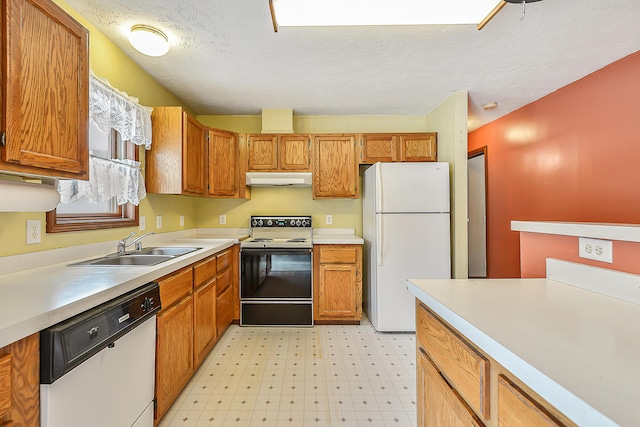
(34, 299)
(336, 236)
(577, 349)
(624, 232)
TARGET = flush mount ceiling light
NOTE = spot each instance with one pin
(149, 40)
(300, 13)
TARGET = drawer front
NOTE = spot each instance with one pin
(338, 255)
(175, 287)
(223, 260)
(224, 280)
(517, 409)
(204, 271)
(465, 368)
(5, 384)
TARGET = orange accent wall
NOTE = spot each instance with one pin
(571, 156)
(535, 248)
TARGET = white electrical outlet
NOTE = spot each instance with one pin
(159, 222)
(142, 223)
(599, 250)
(328, 219)
(181, 220)
(34, 231)
(222, 219)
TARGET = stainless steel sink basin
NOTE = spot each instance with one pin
(169, 250)
(144, 257)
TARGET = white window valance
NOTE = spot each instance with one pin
(111, 109)
(121, 179)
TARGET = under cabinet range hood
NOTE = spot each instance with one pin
(279, 179)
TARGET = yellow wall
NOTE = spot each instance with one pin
(106, 61)
(298, 201)
(449, 119)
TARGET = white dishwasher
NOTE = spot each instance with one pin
(98, 368)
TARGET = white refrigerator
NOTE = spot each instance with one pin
(406, 226)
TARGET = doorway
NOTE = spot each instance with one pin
(477, 219)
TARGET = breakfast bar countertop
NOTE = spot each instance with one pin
(577, 349)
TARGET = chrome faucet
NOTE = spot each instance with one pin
(122, 243)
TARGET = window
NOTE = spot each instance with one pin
(84, 214)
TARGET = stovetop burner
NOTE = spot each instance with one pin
(280, 232)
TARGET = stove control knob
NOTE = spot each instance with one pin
(269, 223)
(260, 223)
(254, 222)
(292, 222)
(298, 223)
(305, 223)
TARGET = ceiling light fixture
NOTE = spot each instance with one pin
(301, 13)
(489, 106)
(148, 40)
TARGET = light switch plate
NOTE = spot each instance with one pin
(159, 222)
(142, 223)
(181, 220)
(596, 249)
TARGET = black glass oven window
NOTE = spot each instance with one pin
(268, 275)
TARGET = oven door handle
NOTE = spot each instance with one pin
(276, 251)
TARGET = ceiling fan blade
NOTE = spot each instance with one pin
(491, 14)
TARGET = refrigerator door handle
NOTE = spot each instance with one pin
(379, 239)
(379, 187)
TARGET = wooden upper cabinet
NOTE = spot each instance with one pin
(294, 152)
(176, 162)
(279, 153)
(225, 177)
(44, 98)
(418, 147)
(387, 147)
(335, 172)
(378, 148)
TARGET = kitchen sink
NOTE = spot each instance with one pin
(143, 257)
(173, 251)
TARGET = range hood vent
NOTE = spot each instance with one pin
(279, 179)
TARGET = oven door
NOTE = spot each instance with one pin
(276, 287)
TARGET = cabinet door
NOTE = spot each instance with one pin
(174, 353)
(294, 153)
(223, 164)
(204, 315)
(517, 409)
(224, 305)
(21, 391)
(335, 172)
(438, 404)
(378, 148)
(193, 155)
(46, 108)
(263, 152)
(337, 297)
(418, 147)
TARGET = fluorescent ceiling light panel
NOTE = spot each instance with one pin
(302, 13)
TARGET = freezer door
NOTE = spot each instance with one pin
(410, 246)
(412, 187)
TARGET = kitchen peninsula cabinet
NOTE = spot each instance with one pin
(279, 153)
(335, 173)
(337, 271)
(388, 147)
(20, 383)
(457, 384)
(226, 176)
(46, 53)
(176, 163)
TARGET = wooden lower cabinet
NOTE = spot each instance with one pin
(20, 383)
(337, 283)
(174, 353)
(440, 404)
(204, 315)
(457, 384)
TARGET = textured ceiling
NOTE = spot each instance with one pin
(225, 57)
